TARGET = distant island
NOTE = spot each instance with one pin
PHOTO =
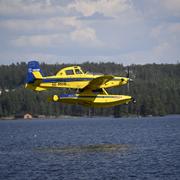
(156, 88)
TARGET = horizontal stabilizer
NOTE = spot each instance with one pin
(37, 74)
(35, 88)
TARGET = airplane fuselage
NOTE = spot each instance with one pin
(74, 82)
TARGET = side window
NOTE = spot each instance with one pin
(69, 72)
(78, 71)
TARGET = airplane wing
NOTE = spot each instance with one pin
(98, 82)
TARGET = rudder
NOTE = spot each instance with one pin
(34, 72)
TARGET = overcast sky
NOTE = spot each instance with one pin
(75, 31)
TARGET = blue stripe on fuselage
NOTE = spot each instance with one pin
(53, 80)
(81, 96)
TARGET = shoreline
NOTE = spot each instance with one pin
(75, 117)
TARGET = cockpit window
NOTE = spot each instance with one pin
(69, 72)
(97, 91)
(78, 71)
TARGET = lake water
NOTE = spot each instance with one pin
(90, 148)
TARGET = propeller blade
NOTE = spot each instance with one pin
(128, 79)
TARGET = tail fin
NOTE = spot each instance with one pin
(34, 72)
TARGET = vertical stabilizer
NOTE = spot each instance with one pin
(34, 72)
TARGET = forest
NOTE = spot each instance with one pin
(156, 88)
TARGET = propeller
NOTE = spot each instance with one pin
(128, 75)
(127, 72)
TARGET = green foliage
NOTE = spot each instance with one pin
(156, 88)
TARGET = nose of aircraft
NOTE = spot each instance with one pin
(124, 79)
(133, 100)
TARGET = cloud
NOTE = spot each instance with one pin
(27, 56)
(85, 35)
(96, 16)
(21, 8)
(135, 31)
(80, 36)
(36, 25)
(167, 32)
(172, 5)
(39, 40)
(106, 7)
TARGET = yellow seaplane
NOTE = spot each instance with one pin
(90, 88)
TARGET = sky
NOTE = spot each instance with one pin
(77, 31)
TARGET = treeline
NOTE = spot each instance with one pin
(156, 88)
